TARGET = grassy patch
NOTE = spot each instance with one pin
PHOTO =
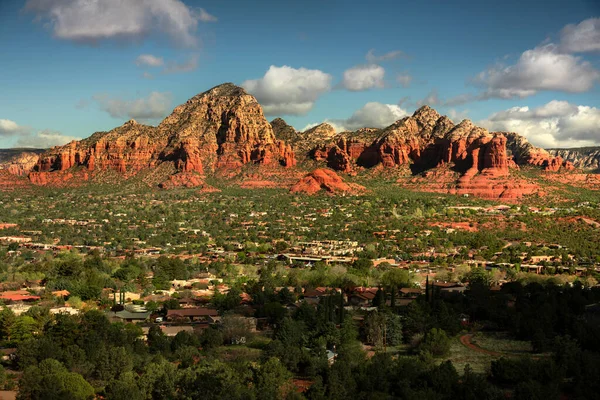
(501, 342)
(238, 353)
(461, 356)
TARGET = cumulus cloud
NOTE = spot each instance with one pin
(88, 21)
(371, 115)
(186, 66)
(542, 68)
(9, 128)
(364, 77)
(44, 139)
(148, 60)
(334, 125)
(555, 124)
(374, 115)
(156, 105)
(547, 67)
(27, 137)
(580, 38)
(286, 90)
(373, 59)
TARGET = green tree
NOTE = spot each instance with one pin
(52, 381)
(7, 319)
(272, 380)
(436, 343)
(23, 328)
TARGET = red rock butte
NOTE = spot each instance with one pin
(223, 129)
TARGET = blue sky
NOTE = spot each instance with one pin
(72, 67)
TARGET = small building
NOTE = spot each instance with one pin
(191, 314)
(361, 299)
(18, 296)
(128, 316)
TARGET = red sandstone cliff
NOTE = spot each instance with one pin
(223, 127)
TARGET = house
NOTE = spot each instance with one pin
(192, 314)
(361, 299)
(64, 310)
(450, 289)
(18, 296)
(411, 291)
(128, 316)
(188, 302)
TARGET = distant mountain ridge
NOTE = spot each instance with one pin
(586, 158)
(19, 161)
(224, 128)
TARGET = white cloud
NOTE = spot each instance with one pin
(374, 115)
(90, 21)
(9, 128)
(371, 115)
(147, 75)
(148, 60)
(26, 137)
(206, 17)
(156, 105)
(286, 90)
(186, 66)
(555, 124)
(335, 126)
(542, 68)
(364, 77)
(44, 139)
(582, 37)
(404, 80)
(373, 59)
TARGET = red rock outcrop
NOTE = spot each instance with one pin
(553, 164)
(324, 179)
(568, 166)
(426, 142)
(126, 149)
(20, 164)
(556, 164)
(221, 128)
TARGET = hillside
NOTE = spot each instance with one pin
(586, 158)
(220, 131)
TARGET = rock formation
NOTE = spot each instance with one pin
(221, 130)
(422, 141)
(324, 179)
(20, 164)
(587, 158)
(283, 131)
(223, 127)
